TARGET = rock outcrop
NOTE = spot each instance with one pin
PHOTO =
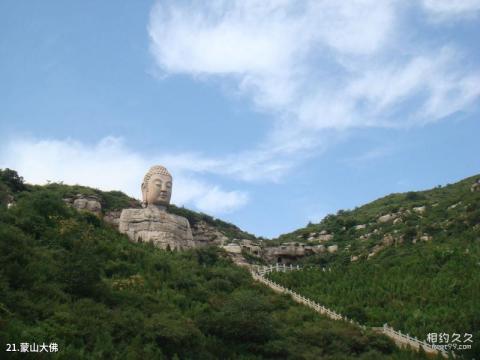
(205, 234)
(90, 203)
(113, 217)
(386, 218)
(289, 252)
(251, 247)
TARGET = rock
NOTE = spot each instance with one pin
(387, 240)
(397, 221)
(360, 227)
(89, 203)
(155, 225)
(365, 236)
(332, 249)
(475, 186)
(323, 232)
(354, 258)
(233, 248)
(239, 260)
(289, 252)
(386, 218)
(425, 237)
(206, 234)
(251, 247)
(325, 237)
(10, 201)
(451, 207)
(113, 217)
(420, 209)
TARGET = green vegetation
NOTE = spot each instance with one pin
(423, 272)
(67, 278)
(229, 230)
(112, 200)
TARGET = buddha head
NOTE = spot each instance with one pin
(157, 186)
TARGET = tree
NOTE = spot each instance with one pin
(12, 180)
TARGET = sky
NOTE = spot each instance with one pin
(268, 113)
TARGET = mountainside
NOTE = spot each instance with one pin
(411, 260)
(448, 213)
(68, 277)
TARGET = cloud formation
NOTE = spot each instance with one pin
(319, 66)
(110, 165)
(446, 8)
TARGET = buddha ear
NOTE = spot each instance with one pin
(144, 193)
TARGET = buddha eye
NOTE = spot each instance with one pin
(158, 183)
(169, 185)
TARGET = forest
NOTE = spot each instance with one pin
(420, 273)
(67, 277)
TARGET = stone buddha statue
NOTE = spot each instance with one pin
(153, 223)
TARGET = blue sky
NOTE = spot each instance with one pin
(269, 114)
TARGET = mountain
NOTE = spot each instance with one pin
(69, 277)
(411, 260)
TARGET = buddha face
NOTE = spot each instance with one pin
(157, 190)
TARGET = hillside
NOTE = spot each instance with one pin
(68, 277)
(411, 260)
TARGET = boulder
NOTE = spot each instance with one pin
(90, 203)
(425, 237)
(475, 186)
(387, 240)
(376, 249)
(325, 237)
(397, 221)
(420, 209)
(386, 218)
(360, 227)
(332, 249)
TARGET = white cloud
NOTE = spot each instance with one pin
(109, 165)
(317, 65)
(449, 8)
